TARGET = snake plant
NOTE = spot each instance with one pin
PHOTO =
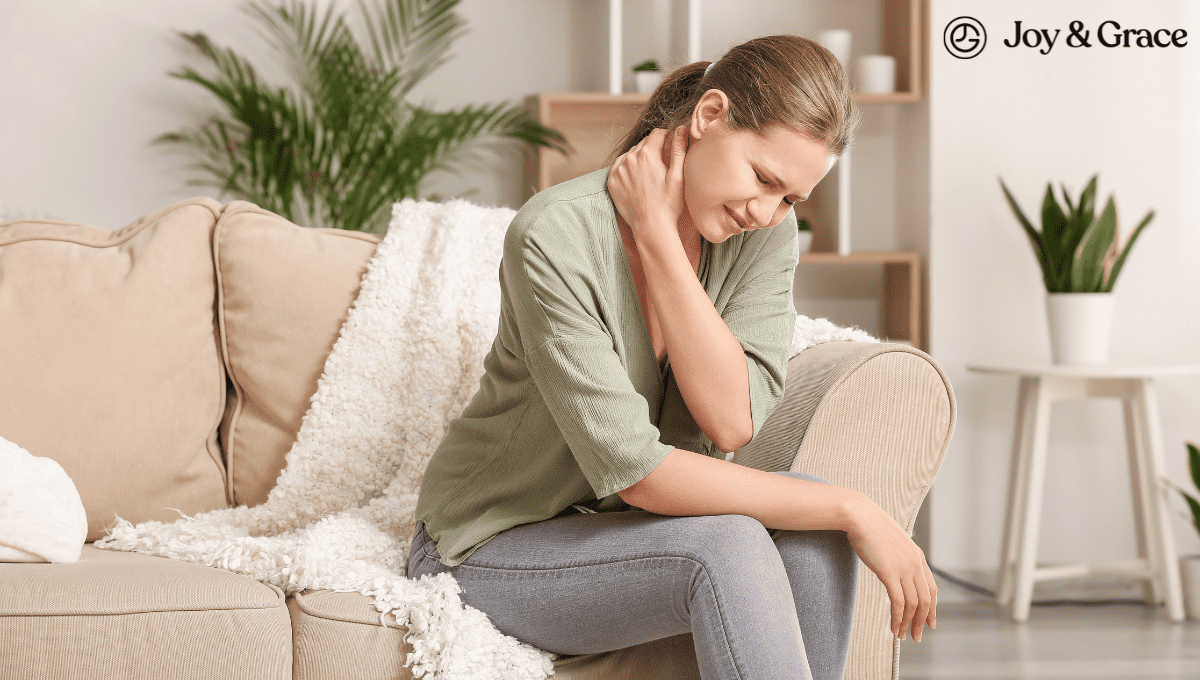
(1194, 469)
(1077, 250)
(341, 144)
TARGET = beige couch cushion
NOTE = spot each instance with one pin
(109, 362)
(339, 635)
(144, 616)
(284, 292)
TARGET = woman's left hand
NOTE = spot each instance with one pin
(648, 192)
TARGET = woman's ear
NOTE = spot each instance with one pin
(710, 111)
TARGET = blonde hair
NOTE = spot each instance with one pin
(782, 79)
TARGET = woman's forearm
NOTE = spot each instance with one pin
(708, 361)
(688, 483)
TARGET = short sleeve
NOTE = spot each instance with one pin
(762, 315)
(571, 358)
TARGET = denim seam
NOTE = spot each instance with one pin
(720, 619)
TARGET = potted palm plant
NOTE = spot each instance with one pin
(343, 143)
(1189, 565)
(1081, 255)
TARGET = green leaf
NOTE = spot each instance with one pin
(1035, 238)
(1194, 463)
(1087, 202)
(1054, 223)
(1194, 505)
(1067, 199)
(1120, 262)
(1088, 268)
(1080, 219)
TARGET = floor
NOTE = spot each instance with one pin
(976, 639)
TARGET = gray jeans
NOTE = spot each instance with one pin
(586, 583)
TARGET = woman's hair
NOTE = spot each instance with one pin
(781, 79)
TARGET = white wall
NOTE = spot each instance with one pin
(85, 85)
(1131, 115)
(85, 89)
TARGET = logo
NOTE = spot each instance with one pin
(964, 37)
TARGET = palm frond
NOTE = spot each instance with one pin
(296, 32)
(412, 37)
(344, 145)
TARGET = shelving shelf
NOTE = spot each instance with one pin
(593, 123)
(900, 305)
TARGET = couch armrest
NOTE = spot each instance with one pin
(872, 417)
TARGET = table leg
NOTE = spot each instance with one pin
(1031, 499)
(1022, 445)
(1151, 587)
(1159, 525)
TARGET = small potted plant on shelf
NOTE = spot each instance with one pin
(1081, 255)
(647, 75)
(806, 236)
(1189, 565)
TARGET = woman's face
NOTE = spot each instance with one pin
(740, 180)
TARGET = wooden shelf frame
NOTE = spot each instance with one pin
(901, 309)
(904, 39)
(593, 123)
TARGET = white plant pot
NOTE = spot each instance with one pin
(1080, 327)
(804, 240)
(647, 80)
(1189, 575)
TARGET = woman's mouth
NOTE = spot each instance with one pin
(737, 223)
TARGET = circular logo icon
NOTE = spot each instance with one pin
(964, 37)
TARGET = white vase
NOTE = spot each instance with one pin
(1080, 327)
(647, 80)
(804, 239)
(1189, 575)
(876, 74)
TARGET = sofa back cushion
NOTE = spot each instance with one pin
(109, 362)
(284, 292)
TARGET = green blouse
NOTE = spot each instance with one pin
(574, 405)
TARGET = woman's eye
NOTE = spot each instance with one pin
(760, 178)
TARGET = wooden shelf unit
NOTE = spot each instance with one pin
(593, 123)
(901, 311)
(904, 40)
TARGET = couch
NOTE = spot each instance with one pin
(167, 365)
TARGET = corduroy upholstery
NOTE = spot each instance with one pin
(126, 615)
(874, 417)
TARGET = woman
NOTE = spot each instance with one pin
(583, 501)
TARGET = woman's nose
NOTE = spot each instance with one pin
(760, 211)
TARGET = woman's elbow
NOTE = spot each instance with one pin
(733, 437)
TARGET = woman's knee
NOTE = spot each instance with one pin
(716, 539)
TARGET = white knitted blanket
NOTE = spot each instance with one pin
(340, 517)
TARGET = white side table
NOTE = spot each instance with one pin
(1040, 386)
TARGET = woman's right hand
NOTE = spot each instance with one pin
(646, 184)
(885, 547)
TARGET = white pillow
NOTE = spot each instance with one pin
(41, 515)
